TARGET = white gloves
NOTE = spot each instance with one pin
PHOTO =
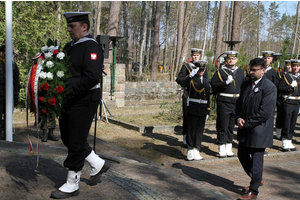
(206, 117)
(294, 83)
(194, 72)
(229, 79)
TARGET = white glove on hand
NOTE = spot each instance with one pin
(194, 72)
(206, 117)
(294, 84)
(229, 79)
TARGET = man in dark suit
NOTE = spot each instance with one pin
(255, 119)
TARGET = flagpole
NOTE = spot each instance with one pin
(9, 72)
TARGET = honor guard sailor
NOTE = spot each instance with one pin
(290, 99)
(279, 117)
(198, 108)
(226, 83)
(186, 69)
(86, 57)
(271, 74)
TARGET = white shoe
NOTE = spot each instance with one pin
(222, 151)
(197, 154)
(190, 154)
(278, 133)
(96, 163)
(287, 144)
(72, 183)
(228, 147)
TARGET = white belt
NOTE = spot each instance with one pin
(291, 97)
(201, 101)
(229, 95)
(95, 87)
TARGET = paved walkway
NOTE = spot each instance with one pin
(138, 178)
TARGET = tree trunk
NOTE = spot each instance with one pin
(58, 15)
(258, 30)
(155, 42)
(112, 27)
(148, 37)
(296, 30)
(220, 29)
(185, 37)
(97, 18)
(206, 29)
(143, 35)
(179, 34)
(213, 26)
(168, 4)
(125, 44)
(237, 15)
(80, 6)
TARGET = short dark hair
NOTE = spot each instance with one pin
(85, 22)
(258, 61)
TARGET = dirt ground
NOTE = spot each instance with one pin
(163, 147)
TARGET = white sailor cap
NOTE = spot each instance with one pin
(76, 16)
(259, 57)
(196, 51)
(201, 64)
(230, 54)
(287, 62)
(267, 53)
(295, 62)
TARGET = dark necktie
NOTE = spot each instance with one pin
(252, 86)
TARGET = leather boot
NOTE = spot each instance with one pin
(45, 135)
(70, 188)
(51, 135)
(98, 165)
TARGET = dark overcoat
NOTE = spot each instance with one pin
(257, 109)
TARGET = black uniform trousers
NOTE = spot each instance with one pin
(185, 118)
(195, 131)
(290, 115)
(75, 123)
(225, 122)
(252, 160)
(279, 117)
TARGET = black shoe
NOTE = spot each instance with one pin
(57, 194)
(93, 180)
(51, 135)
(45, 135)
(290, 149)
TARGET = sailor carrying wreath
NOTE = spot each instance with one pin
(47, 80)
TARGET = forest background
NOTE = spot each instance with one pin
(159, 33)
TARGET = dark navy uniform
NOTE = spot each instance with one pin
(226, 98)
(290, 100)
(86, 57)
(271, 74)
(184, 72)
(198, 109)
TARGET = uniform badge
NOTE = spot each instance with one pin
(93, 56)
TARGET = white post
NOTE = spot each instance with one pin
(9, 72)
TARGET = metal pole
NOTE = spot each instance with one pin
(114, 65)
(9, 72)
